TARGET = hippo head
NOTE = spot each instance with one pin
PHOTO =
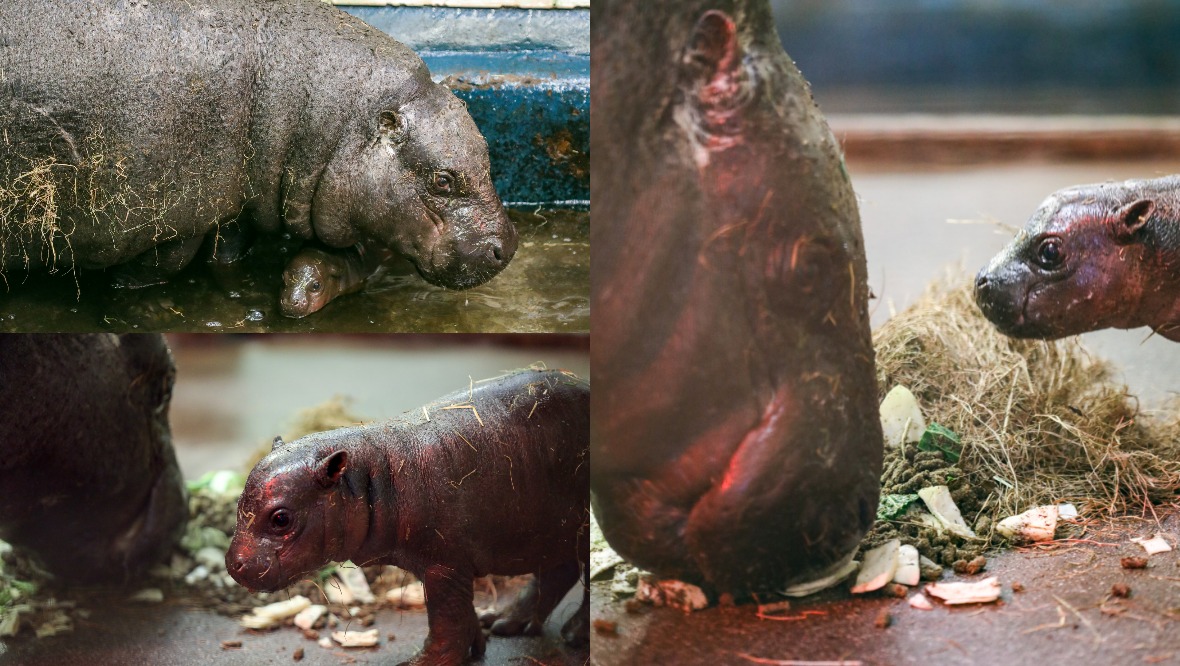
(1080, 264)
(290, 520)
(308, 285)
(422, 186)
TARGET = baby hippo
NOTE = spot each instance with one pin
(493, 479)
(317, 275)
(1091, 257)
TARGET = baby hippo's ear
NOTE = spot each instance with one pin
(393, 127)
(331, 467)
(277, 443)
(1129, 219)
(712, 47)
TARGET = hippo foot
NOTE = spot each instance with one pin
(137, 278)
(429, 657)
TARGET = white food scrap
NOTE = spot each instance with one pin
(1036, 524)
(352, 639)
(879, 567)
(920, 602)
(272, 615)
(1154, 545)
(901, 418)
(407, 596)
(908, 570)
(938, 500)
(978, 592)
(673, 594)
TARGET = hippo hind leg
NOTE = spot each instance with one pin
(526, 614)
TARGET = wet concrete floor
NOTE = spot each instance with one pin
(232, 395)
(545, 289)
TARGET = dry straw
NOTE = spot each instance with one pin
(1040, 422)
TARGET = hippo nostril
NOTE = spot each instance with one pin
(981, 282)
(497, 252)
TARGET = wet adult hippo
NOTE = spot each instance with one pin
(316, 276)
(493, 479)
(88, 478)
(133, 129)
(1091, 257)
(736, 438)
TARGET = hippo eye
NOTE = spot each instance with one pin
(315, 287)
(1049, 254)
(442, 182)
(280, 519)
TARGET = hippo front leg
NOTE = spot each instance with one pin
(454, 630)
(158, 264)
(526, 615)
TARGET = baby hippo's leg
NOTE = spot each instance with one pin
(527, 613)
(454, 630)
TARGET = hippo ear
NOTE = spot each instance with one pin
(712, 47)
(331, 467)
(1129, 219)
(393, 126)
(277, 443)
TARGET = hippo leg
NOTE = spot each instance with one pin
(450, 613)
(526, 615)
(157, 264)
(576, 630)
(229, 242)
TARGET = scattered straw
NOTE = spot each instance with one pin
(1041, 422)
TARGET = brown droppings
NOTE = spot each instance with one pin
(1120, 590)
(884, 619)
(231, 645)
(632, 606)
(297, 655)
(606, 627)
(1017, 587)
(972, 567)
(1134, 562)
(896, 590)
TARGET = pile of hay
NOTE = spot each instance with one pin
(1040, 422)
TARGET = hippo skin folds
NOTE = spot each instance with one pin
(88, 478)
(736, 439)
(493, 479)
(1091, 257)
(133, 130)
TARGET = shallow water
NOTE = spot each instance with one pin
(546, 288)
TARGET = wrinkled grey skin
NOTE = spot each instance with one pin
(1091, 257)
(88, 477)
(134, 129)
(491, 479)
(736, 436)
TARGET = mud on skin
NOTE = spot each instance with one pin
(171, 120)
(1090, 257)
(736, 437)
(88, 478)
(492, 479)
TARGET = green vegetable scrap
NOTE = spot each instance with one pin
(939, 438)
(893, 506)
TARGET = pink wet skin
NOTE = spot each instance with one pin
(413, 493)
(303, 290)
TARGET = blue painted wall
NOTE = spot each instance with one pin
(525, 75)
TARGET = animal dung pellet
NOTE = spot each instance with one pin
(272, 615)
(231, 645)
(352, 639)
(407, 596)
(606, 627)
(297, 655)
(1154, 545)
(970, 567)
(1133, 562)
(1120, 590)
(980, 592)
(908, 570)
(901, 418)
(1036, 524)
(880, 564)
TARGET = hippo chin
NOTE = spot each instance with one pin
(736, 438)
(1090, 257)
(287, 115)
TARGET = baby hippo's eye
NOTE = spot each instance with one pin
(280, 519)
(1049, 254)
(442, 182)
(315, 287)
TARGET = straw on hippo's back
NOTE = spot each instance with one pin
(287, 115)
(493, 479)
(1091, 257)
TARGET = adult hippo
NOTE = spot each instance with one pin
(88, 478)
(736, 438)
(132, 130)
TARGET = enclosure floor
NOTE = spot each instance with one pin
(175, 634)
(1064, 615)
